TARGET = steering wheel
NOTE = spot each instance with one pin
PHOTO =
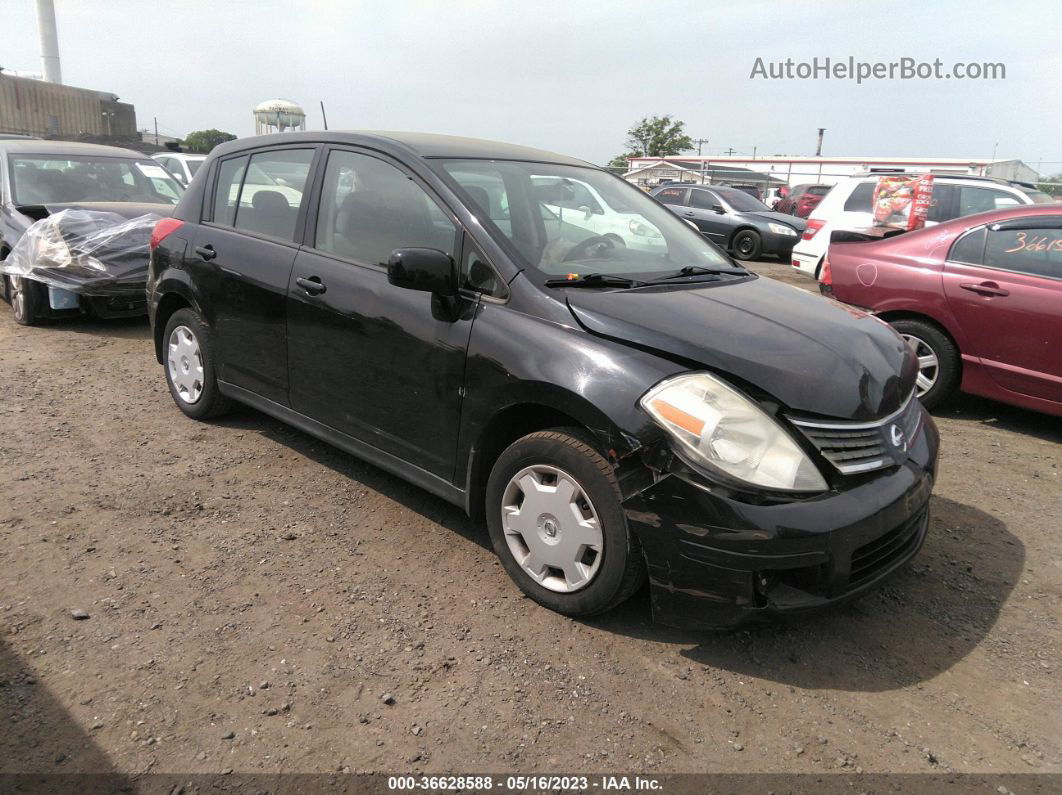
(590, 248)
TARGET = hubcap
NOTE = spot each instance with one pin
(928, 366)
(185, 364)
(552, 528)
(745, 244)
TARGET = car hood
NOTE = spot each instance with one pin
(814, 355)
(124, 209)
(779, 218)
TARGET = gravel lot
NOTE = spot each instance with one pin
(257, 601)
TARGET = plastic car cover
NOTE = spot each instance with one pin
(85, 251)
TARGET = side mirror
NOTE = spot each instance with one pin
(426, 269)
(586, 211)
(718, 208)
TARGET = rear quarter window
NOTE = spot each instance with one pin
(860, 199)
(671, 195)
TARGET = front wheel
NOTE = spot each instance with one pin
(746, 245)
(939, 363)
(25, 297)
(188, 356)
(557, 525)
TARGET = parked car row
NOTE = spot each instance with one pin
(802, 199)
(40, 178)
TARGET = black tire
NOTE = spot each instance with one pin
(210, 402)
(622, 568)
(949, 362)
(746, 244)
(26, 297)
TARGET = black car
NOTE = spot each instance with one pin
(615, 413)
(41, 178)
(734, 220)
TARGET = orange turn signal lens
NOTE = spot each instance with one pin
(677, 416)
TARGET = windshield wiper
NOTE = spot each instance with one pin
(595, 280)
(700, 270)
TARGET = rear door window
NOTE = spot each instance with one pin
(1036, 252)
(979, 200)
(272, 192)
(672, 196)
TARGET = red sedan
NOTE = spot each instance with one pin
(979, 298)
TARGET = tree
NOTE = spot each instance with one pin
(659, 136)
(621, 161)
(1051, 185)
(205, 140)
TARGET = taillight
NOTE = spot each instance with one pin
(812, 227)
(826, 274)
(163, 229)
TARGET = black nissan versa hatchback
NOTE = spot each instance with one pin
(618, 407)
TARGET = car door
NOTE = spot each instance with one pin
(374, 361)
(1004, 285)
(711, 215)
(242, 257)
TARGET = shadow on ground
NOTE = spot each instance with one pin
(922, 622)
(970, 408)
(406, 494)
(40, 739)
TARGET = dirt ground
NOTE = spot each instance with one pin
(258, 601)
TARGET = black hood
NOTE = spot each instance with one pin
(814, 355)
(799, 224)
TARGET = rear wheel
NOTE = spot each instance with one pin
(188, 356)
(746, 244)
(557, 525)
(939, 363)
(25, 297)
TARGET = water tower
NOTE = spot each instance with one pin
(278, 115)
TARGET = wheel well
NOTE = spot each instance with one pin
(741, 229)
(169, 304)
(505, 428)
(904, 314)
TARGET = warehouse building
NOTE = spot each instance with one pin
(52, 110)
(650, 171)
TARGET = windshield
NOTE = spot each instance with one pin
(1039, 197)
(564, 220)
(48, 179)
(742, 202)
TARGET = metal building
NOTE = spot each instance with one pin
(52, 110)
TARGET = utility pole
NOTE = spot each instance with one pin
(818, 149)
(325, 118)
(700, 142)
(156, 130)
(729, 152)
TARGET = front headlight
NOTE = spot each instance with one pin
(642, 230)
(782, 229)
(721, 429)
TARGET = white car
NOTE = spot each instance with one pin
(182, 165)
(848, 207)
(578, 204)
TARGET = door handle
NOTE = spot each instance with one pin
(206, 252)
(985, 288)
(311, 284)
(690, 213)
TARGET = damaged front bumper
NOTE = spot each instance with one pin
(717, 559)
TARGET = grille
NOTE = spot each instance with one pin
(854, 447)
(882, 552)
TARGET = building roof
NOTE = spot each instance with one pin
(427, 145)
(37, 146)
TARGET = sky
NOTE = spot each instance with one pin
(571, 76)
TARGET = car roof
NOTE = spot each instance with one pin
(35, 146)
(1013, 183)
(425, 145)
(970, 221)
(180, 155)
